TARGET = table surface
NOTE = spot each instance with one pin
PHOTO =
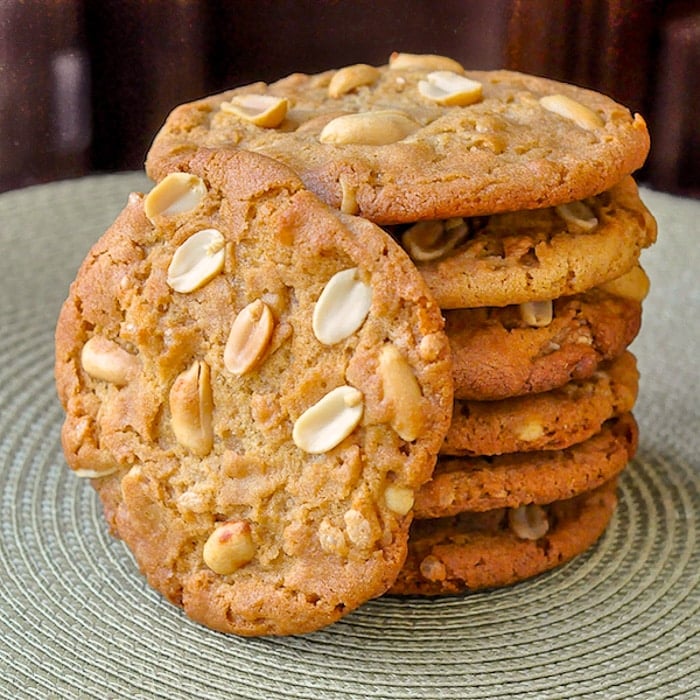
(78, 621)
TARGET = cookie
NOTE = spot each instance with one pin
(510, 480)
(552, 420)
(421, 138)
(257, 386)
(473, 551)
(531, 255)
(502, 352)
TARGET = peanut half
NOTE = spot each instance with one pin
(249, 338)
(94, 473)
(632, 285)
(342, 307)
(433, 569)
(398, 499)
(229, 547)
(267, 111)
(402, 393)
(579, 214)
(106, 360)
(192, 408)
(348, 203)
(199, 259)
(176, 193)
(377, 128)
(351, 77)
(332, 539)
(528, 522)
(358, 529)
(530, 430)
(430, 240)
(450, 89)
(571, 109)
(425, 61)
(329, 421)
(537, 314)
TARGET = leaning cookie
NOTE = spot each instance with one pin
(257, 392)
(552, 420)
(498, 548)
(462, 484)
(502, 352)
(421, 138)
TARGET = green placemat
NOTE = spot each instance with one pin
(78, 621)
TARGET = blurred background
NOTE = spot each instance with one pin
(85, 84)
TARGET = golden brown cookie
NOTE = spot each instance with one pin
(472, 551)
(501, 352)
(534, 255)
(510, 480)
(257, 386)
(421, 138)
(551, 420)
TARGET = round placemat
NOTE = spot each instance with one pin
(77, 619)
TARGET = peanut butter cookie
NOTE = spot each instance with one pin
(257, 385)
(551, 420)
(421, 138)
(532, 255)
(498, 548)
(510, 480)
(501, 352)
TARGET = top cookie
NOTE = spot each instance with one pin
(420, 138)
(258, 384)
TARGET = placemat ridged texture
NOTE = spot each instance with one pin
(78, 621)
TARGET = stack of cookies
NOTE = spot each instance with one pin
(513, 196)
(543, 387)
(287, 410)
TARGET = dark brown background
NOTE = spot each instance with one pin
(85, 84)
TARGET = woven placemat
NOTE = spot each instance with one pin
(78, 621)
